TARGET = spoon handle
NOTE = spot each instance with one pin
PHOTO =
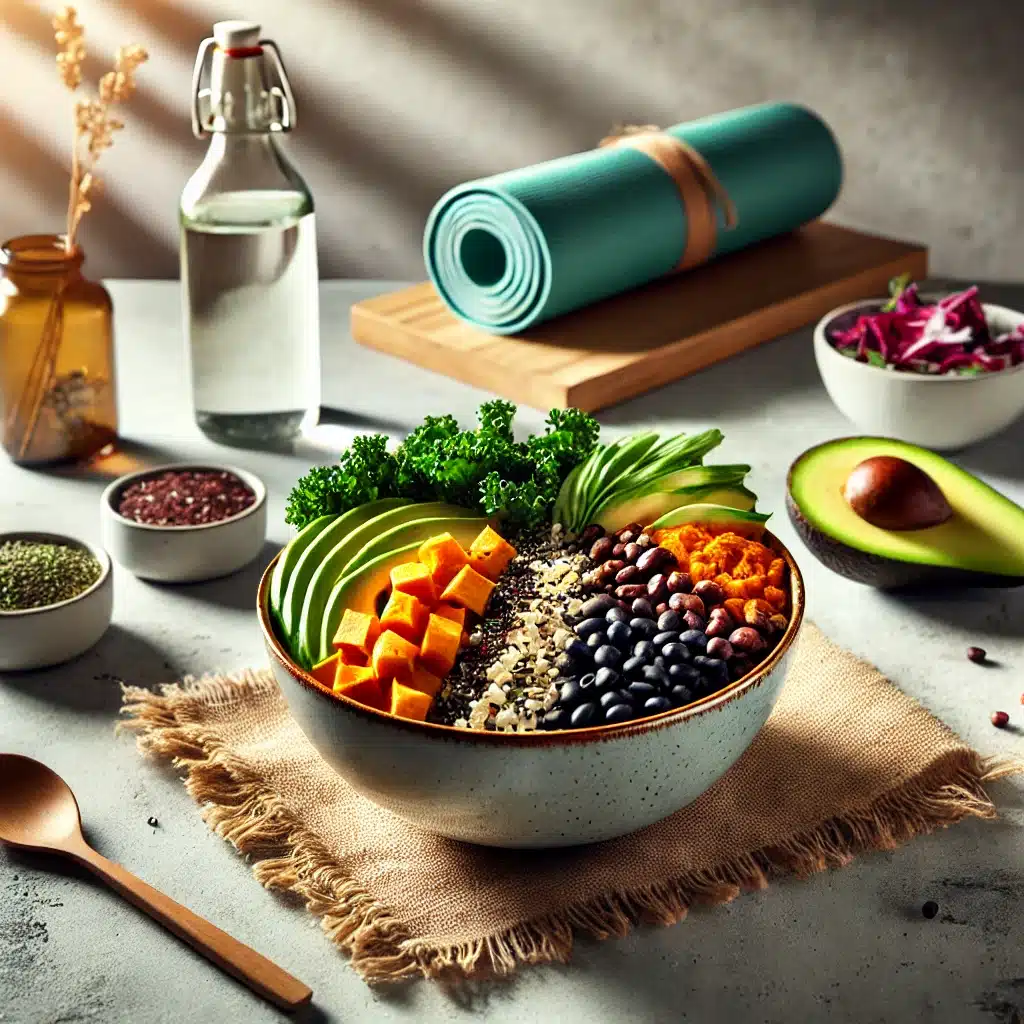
(230, 955)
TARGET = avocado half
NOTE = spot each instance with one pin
(981, 545)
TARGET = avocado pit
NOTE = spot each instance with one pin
(894, 494)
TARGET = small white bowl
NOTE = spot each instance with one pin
(184, 554)
(942, 413)
(55, 633)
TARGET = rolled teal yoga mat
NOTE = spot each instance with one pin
(508, 252)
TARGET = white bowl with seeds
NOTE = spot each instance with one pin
(56, 599)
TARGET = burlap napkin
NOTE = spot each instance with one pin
(847, 763)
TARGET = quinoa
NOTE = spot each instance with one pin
(505, 679)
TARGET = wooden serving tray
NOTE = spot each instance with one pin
(624, 346)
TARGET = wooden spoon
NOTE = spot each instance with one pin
(38, 811)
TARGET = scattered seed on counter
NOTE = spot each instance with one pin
(930, 909)
(976, 654)
(152, 822)
(1000, 719)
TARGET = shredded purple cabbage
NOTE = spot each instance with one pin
(950, 337)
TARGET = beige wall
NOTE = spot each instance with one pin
(398, 99)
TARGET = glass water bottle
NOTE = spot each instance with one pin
(248, 250)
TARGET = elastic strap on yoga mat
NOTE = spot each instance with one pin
(701, 192)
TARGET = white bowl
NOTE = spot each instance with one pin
(535, 789)
(942, 413)
(184, 554)
(55, 633)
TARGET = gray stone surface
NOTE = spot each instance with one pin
(849, 946)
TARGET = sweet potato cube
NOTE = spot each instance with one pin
(444, 556)
(359, 684)
(450, 611)
(356, 635)
(409, 703)
(324, 671)
(405, 615)
(414, 578)
(490, 553)
(393, 657)
(440, 645)
(469, 589)
(424, 681)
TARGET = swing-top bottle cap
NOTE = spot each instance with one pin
(236, 35)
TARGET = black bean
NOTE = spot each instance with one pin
(587, 681)
(713, 669)
(693, 638)
(645, 627)
(617, 614)
(660, 662)
(596, 640)
(579, 651)
(602, 549)
(607, 656)
(618, 713)
(571, 693)
(633, 667)
(606, 678)
(584, 715)
(683, 675)
(656, 676)
(680, 695)
(642, 607)
(556, 718)
(676, 652)
(642, 691)
(597, 606)
(610, 698)
(631, 574)
(588, 626)
(679, 583)
(691, 620)
(655, 705)
(645, 651)
(655, 559)
(666, 636)
(619, 635)
(669, 620)
(633, 552)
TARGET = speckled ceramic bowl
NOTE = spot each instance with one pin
(535, 789)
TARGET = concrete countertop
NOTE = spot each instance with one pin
(849, 946)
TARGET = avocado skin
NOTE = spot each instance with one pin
(886, 573)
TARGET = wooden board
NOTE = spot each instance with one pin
(624, 346)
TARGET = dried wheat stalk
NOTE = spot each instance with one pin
(95, 120)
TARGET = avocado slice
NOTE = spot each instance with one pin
(744, 522)
(686, 486)
(361, 588)
(312, 554)
(334, 565)
(289, 558)
(981, 544)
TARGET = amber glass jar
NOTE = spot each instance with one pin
(58, 398)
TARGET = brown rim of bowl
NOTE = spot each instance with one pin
(542, 737)
(47, 537)
(115, 488)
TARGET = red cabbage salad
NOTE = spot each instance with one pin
(951, 337)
